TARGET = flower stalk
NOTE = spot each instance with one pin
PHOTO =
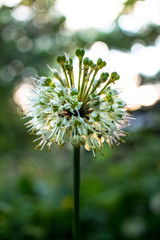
(76, 192)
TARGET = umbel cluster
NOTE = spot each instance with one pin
(85, 111)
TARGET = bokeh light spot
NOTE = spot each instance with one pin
(86, 14)
(7, 73)
(43, 43)
(28, 72)
(22, 13)
(22, 93)
(10, 3)
(25, 44)
(147, 95)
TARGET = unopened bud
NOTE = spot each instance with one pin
(85, 61)
(103, 64)
(93, 66)
(61, 60)
(114, 77)
(48, 82)
(71, 61)
(99, 61)
(74, 91)
(90, 63)
(82, 52)
(78, 52)
(104, 77)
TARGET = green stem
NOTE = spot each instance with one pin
(76, 193)
(82, 87)
(80, 72)
(103, 88)
(91, 83)
(64, 71)
(95, 87)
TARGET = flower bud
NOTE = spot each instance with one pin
(61, 60)
(90, 63)
(48, 82)
(82, 52)
(103, 64)
(93, 67)
(86, 61)
(104, 77)
(68, 67)
(114, 76)
(74, 91)
(71, 61)
(99, 61)
(78, 52)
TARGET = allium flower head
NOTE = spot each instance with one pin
(87, 114)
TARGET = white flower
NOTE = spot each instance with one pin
(84, 116)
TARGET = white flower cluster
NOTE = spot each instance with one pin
(84, 116)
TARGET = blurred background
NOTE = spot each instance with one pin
(120, 191)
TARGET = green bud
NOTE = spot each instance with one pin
(113, 74)
(103, 64)
(90, 63)
(85, 61)
(74, 91)
(59, 59)
(104, 76)
(93, 66)
(71, 61)
(78, 52)
(117, 77)
(114, 77)
(48, 82)
(82, 52)
(99, 61)
(107, 74)
(63, 58)
(68, 67)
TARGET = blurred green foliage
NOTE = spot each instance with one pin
(120, 197)
(120, 194)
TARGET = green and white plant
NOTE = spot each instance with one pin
(87, 114)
